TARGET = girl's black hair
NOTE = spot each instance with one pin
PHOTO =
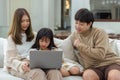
(44, 32)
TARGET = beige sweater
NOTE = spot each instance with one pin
(94, 49)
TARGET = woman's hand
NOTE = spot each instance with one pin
(25, 66)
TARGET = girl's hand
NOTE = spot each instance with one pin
(25, 66)
(76, 43)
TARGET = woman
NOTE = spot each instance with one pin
(20, 39)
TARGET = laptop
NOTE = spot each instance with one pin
(46, 59)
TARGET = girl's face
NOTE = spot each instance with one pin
(44, 43)
(25, 22)
(82, 27)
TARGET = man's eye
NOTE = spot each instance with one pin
(76, 22)
(81, 24)
(22, 20)
(46, 41)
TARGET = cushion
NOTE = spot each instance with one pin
(1, 52)
(58, 42)
(5, 76)
(118, 46)
(114, 44)
(4, 52)
(73, 78)
(66, 46)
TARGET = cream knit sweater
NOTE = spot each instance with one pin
(16, 54)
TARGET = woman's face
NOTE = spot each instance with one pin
(44, 43)
(25, 22)
(82, 27)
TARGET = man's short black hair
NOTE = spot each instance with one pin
(84, 15)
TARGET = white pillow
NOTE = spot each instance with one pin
(113, 44)
(58, 42)
(66, 46)
(4, 52)
(118, 46)
(1, 52)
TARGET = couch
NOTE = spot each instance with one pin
(63, 44)
(6, 76)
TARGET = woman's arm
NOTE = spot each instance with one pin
(13, 59)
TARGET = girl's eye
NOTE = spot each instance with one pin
(41, 40)
(47, 41)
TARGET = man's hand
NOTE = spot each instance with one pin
(76, 43)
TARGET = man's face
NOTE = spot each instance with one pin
(82, 27)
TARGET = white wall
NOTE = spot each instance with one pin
(37, 14)
(48, 13)
(108, 26)
(76, 5)
(57, 11)
(3, 13)
(3, 18)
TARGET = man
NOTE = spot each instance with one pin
(94, 53)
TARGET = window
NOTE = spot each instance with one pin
(65, 16)
(106, 9)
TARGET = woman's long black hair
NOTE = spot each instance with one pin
(44, 32)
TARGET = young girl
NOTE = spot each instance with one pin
(45, 41)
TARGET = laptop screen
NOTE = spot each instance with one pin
(46, 59)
